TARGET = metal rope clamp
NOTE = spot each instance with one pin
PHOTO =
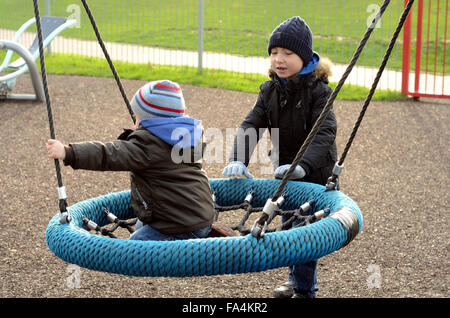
(110, 217)
(91, 224)
(333, 181)
(270, 206)
(64, 217)
(249, 197)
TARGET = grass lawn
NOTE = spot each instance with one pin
(81, 65)
(241, 26)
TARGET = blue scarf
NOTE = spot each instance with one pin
(184, 131)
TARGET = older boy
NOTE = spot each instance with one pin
(290, 103)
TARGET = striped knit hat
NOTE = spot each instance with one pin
(158, 99)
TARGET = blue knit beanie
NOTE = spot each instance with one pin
(158, 99)
(295, 35)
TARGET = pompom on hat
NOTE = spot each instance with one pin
(295, 35)
(158, 99)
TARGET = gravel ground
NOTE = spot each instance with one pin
(397, 171)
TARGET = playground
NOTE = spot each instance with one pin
(396, 171)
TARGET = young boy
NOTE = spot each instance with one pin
(170, 192)
(290, 103)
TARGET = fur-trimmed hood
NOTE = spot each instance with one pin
(324, 69)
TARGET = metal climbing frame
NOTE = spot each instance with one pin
(34, 74)
(51, 27)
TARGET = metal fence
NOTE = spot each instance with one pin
(214, 34)
(431, 66)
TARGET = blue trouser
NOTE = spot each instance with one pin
(305, 278)
(304, 275)
(148, 233)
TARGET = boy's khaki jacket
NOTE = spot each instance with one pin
(171, 197)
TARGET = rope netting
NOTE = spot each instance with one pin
(298, 217)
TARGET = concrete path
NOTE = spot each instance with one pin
(363, 76)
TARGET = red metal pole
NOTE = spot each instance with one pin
(435, 46)
(406, 54)
(445, 44)
(428, 45)
(419, 46)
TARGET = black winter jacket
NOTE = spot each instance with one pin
(293, 109)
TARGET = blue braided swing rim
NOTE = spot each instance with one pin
(211, 256)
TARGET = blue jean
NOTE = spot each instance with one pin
(148, 233)
(304, 275)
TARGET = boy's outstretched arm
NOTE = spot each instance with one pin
(55, 149)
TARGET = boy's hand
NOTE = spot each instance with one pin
(55, 149)
(298, 172)
(236, 169)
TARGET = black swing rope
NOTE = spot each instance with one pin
(108, 58)
(402, 20)
(65, 216)
(258, 228)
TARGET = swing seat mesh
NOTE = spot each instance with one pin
(202, 257)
